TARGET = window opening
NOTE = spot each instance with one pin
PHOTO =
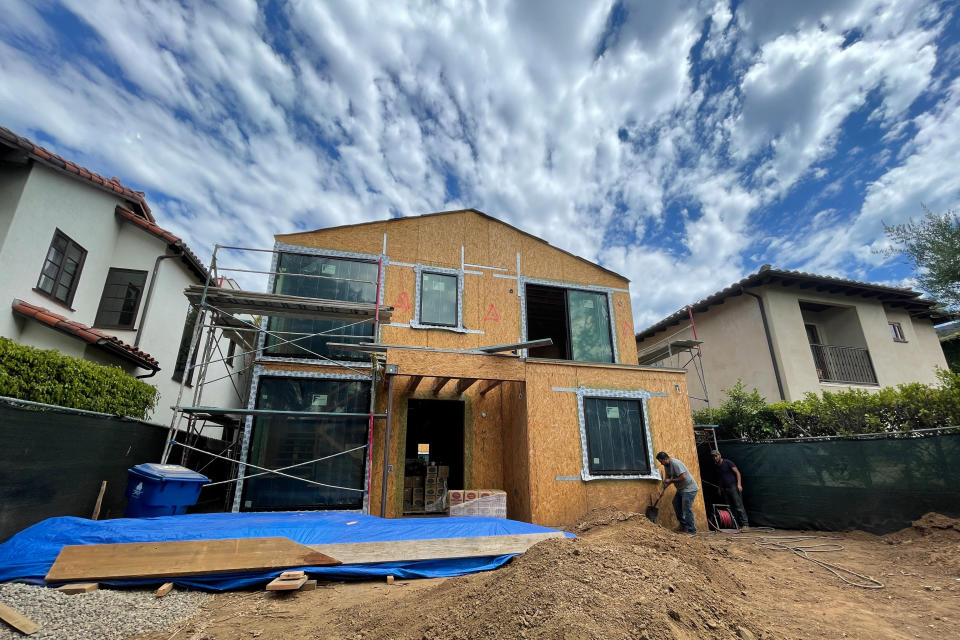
(231, 354)
(438, 299)
(345, 280)
(577, 321)
(434, 437)
(282, 440)
(616, 437)
(185, 338)
(120, 300)
(61, 269)
(896, 332)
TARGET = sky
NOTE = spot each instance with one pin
(681, 144)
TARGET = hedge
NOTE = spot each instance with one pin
(50, 377)
(902, 408)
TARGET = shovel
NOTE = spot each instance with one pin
(652, 511)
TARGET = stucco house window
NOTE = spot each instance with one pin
(121, 299)
(61, 268)
(896, 332)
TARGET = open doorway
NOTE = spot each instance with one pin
(433, 454)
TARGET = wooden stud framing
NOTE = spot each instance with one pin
(490, 387)
(412, 386)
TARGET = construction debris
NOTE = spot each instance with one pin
(288, 581)
(78, 587)
(164, 589)
(17, 620)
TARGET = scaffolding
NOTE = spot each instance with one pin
(226, 310)
(683, 354)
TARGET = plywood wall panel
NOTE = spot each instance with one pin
(516, 449)
(623, 327)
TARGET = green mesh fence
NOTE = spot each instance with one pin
(878, 485)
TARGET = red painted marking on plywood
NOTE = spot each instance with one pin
(492, 314)
(627, 328)
(402, 303)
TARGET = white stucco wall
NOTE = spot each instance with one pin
(12, 181)
(49, 200)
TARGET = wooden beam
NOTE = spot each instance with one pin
(408, 550)
(414, 382)
(164, 589)
(436, 364)
(465, 383)
(78, 587)
(17, 620)
(287, 581)
(490, 387)
(439, 384)
(531, 344)
(180, 558)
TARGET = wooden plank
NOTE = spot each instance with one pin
(490, 387)
(164, 589)
(414, 382)
(17, 620)
(309, 585)
(464, 384)
(288, 581)
(78, 587)
(96, 507)
(514, 346)
(439, 384)
(180, 558)
(434, 549)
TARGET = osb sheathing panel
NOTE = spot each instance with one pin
(486, 460)
(554, 436)
(516, 448)
(399, 288)
(455, 365)
(623, 328)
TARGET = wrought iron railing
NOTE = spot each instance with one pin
(849, 365)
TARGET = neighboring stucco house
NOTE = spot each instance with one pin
(788, 333)
(88, 272)
(560, 428)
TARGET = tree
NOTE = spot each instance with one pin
(933, 246)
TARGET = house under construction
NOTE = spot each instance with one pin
(401, 362)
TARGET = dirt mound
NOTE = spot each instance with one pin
(930, 541)
(625, 578)
(601, 517)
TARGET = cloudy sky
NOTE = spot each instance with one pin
(682, 144)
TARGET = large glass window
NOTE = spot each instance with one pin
(616, 437)
(121, 299)
(61, 269)
(577, 321)
(438, 299)
(328, 279)
(282, 440)
(186, 336)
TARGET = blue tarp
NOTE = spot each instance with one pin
(28, 555)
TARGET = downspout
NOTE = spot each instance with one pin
(766, 331)
(146, 308)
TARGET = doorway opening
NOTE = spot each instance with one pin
(435, 435)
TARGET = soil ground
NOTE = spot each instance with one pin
(627, 578)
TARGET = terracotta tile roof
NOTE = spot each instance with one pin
(909, 299)
(54, 161)
(175, 243)
(95, 337)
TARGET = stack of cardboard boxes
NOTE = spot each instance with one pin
(426, 493)
(490, 503)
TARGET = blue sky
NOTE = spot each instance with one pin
(683, 144)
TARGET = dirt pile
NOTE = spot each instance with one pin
(624, 578)
(933, 540)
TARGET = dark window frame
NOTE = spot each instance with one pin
(186, 338)
(57, 233)
(642, 423)
(896, 332)
(569, 329)
(456, 279)
(136, 310)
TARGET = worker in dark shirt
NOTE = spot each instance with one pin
(731, 486)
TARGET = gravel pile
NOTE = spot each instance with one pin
(106, 614)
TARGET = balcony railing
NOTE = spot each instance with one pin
(847, 365)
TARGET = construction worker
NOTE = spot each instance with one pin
(731, 486)
(676, 473)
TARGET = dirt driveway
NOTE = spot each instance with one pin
(626, 578)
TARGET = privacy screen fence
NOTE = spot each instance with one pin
(878, 483)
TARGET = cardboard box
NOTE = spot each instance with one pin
(443, 471)
(431, 481)
(417, 494)
(455, 496)
(412, 482)
(430, 493)
(431, 471)
(408, 495)
(418, 503)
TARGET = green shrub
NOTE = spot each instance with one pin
(901, 408)
(50, 377)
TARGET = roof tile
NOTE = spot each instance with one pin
(83, 332)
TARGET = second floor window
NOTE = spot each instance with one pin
(896, 332)
(121, 299)
(577, 321)
(438, 299)
(61, 269)
(326, 278)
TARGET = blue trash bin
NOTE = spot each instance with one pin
(161, 490)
